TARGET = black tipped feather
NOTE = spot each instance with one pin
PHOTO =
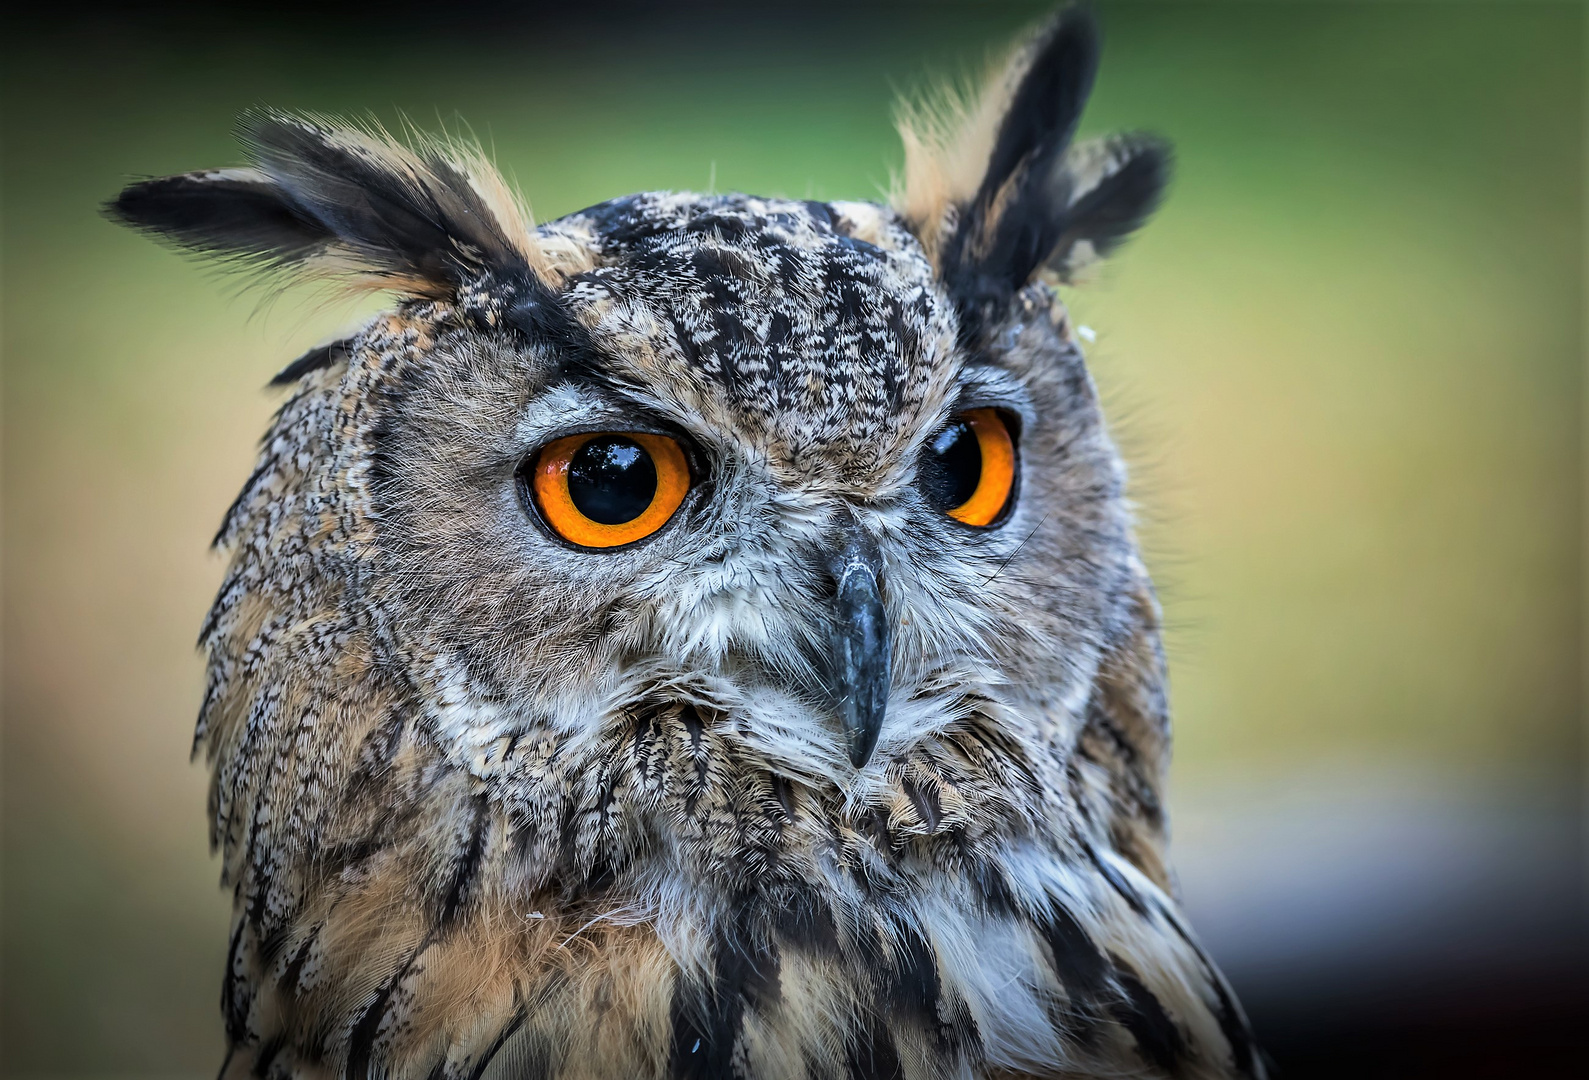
(414, 215)
(352, 202)
(1046, 107)
(708, 1019)
(1159, 1041)
(1018, 213)
(237, 212)
(1081, 967)
(321, 356)
(1037, 203)
(1136, 174)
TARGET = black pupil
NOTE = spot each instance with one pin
(952, 467)
(612, 479)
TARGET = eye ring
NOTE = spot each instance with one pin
(969, 470)
(609, 478)
(997, 482)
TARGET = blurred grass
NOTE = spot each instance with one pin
(1344, 361)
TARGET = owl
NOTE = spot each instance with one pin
(701, 636)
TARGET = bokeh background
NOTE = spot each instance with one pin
(1345, 362)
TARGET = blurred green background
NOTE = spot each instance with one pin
(1345, 363)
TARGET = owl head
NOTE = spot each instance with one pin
(824, 486)
(700, 578)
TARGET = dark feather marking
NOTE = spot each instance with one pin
(701, 1049)
(987, 259)
(914, 987)
(1026, 212)
(695, 729)
(274, 940)
(707, 1019)
(409, 217)
(267, 1053)
(270, 464)
(1232, 1024)
(1158, 1039)
(520, 1014)
(361, 1042)
(821, 214)
(924, 797)
(1118, 882)
(718, 266)
(294, 969)
(433, 224)
(624, 222)
(239, 215)
(873, 1055)
(805, 920)
(775, 350)
(727, 228)
(539, 316)
(783, 792)
(1046, 107)
(383, 462)
(352, 854)
(235, 989)
(1077, 960)
(467, 867)
(316, 359)
(1122, 201)
(255, 873)
(989, 882)
(200, 728)
(906, 345)
(1234, 1027)
(1141, 784)
(732, 336)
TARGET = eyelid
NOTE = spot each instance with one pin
(988, 386)
(617, 422)
(578, 407)
(1011, 407)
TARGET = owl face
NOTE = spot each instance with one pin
(828, 478)
(770, 479)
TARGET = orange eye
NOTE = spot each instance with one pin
(609, 488)
(968, 471)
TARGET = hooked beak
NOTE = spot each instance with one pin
(859, 677)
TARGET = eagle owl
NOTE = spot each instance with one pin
(701, 636)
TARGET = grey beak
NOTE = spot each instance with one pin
(859, 677)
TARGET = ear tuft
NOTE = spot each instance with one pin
(993, 188)
(243, 206)
(326, 200)
(1115, 184)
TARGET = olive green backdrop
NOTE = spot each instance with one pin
(1344, 361)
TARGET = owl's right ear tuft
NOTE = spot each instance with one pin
(321, 200)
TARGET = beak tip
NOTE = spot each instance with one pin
(862, 744)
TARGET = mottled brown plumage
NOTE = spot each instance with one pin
(493, 803)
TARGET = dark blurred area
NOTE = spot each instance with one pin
(1345, 363)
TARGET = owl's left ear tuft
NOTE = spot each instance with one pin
(332, 201)
(996, 191)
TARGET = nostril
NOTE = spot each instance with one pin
(827, 582)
